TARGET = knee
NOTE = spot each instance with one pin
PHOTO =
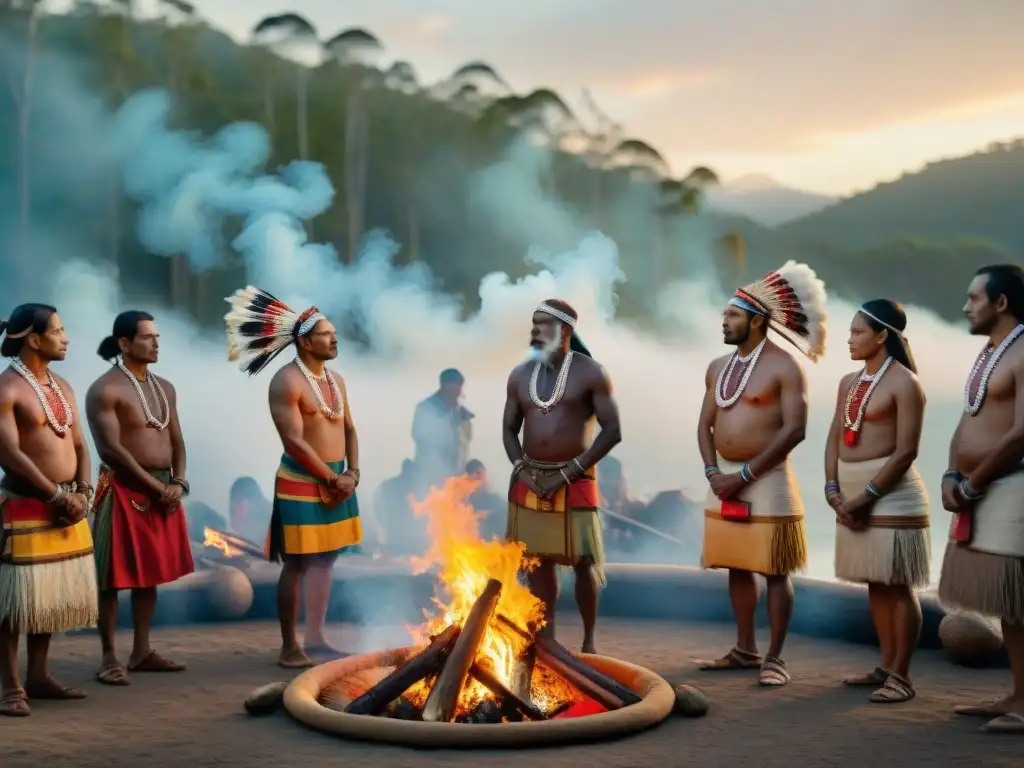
(324, 561)
(293, 565)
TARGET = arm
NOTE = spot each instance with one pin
(101, 410)
(13, 459)
(706, 422)
(834, 433)
(512, 420)
(351, 437)
(420, 427)
(1009, 451)
(178, 456)
(793, 401)
(284, 410)
(607, 413)
(83, 471)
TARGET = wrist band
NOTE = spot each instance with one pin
(952, 473)
(565, 476)
(182, 483)
(746, 474)
(831, 487)
(872, 490)
(710, 469)
(579, 466)
(968, 492)
(354, 474)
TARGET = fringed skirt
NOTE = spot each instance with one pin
(987, 575)
(896, 546)
(773, 540)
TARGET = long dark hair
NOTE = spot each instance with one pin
(1006, 280)
(126, 325)
(887, 315)
(34, 318)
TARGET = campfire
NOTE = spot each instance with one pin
(486, 658)
(220, 547)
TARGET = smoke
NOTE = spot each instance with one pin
(192, 189)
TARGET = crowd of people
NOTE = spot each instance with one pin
(58, 573)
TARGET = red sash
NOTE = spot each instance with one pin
(579, 494)
(148, 547)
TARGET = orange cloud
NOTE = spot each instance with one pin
(662, 82)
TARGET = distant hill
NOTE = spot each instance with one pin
(764, 200)
(980, 196)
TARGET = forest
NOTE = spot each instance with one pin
(410, 157)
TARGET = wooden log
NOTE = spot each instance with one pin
(522, 673)
(424, 663)
(444, 695)
(507, 698)
(621, 692)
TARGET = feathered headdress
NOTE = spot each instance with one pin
(562, 311)
(793, 300)
(261, 326)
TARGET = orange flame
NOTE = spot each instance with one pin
(213, 539)
(466, 563)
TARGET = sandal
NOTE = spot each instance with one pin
(895, 691)
(874, 679)
(154, 662)
(774, 673)
(51, 690)
(296, 659)
(14, 703)
(989, 710)
(734, 659)
(1011, 722)
(113, 674)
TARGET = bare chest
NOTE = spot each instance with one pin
(543, 390)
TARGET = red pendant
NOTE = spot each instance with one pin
(850, 437)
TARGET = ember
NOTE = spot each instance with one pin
(487, 660)
(230, 545)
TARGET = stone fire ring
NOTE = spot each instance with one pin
(301, 699)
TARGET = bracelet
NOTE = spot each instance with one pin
(831, 487)
(62, 489)
(579, 466)
(354, 474)
(953, 474)
(517, 467)
(182, 483)
(746, 474)
(710, 469)
(872, 490)
(969, 493)
(567, 480)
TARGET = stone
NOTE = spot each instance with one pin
(972, 640)
(230, 593)
(690, 702)
(265, 699)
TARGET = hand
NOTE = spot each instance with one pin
(834, 500)
(856, 511)
(550, 484)
(345, 485)
(75, 507)
(950, 494)
(526, 477)
(727, 487)
(170, 497)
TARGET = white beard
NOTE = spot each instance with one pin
(545, 353)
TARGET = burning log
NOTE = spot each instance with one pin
(444, 696)
(231, 545)
(522, 673)
(608, 693)
(511, 703)
(424, 663)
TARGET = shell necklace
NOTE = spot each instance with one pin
(726, 373)
(314, 384)
(971, 407)
(559, 390)
(851, 433)
(159, 397)
(60, 427)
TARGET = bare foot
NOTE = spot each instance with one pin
(13, 703)
(48, 688)
(324, 650)
(987, 710)
(294, 658)
(588, 647)
(154, 662)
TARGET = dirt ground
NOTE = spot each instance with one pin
(196, 718)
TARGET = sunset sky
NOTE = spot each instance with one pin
(826, 95)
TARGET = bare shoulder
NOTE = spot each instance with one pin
(166, 384)
(847, 380)
(593, 370)
(10, 385)
(783, 362)
(285, 383)
(63, 383)
(107, 387)
(905, 378)
(717, 364)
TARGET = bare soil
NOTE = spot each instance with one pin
(196, 718)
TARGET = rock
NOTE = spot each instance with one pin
(972, 640)
(690, 702)
(230, 592)
(265, 699)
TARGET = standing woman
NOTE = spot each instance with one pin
(881, 506)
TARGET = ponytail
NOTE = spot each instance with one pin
(109, 349)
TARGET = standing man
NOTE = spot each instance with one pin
(442, 429)
(554, 398)
(315, 513)
(983, 569)
(47, 578)
(140, 529)
(754, 414)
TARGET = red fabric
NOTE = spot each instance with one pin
(149, 547)
(851, 436)
(582, 494)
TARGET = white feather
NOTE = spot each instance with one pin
(810, 292)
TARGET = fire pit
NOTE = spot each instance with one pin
(488, 675)
(223, 548)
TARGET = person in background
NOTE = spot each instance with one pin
(442, 430)
(249, 510)
(403, 533)
(485, 500)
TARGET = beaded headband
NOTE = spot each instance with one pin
(880, 322)
(261, 326)
(557, 314)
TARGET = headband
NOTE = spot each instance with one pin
(557, 314)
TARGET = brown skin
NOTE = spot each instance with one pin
(30, 449)
(561, 435)
(130, 447)
(313, 440)
(891, 427)
(762, 428)
(990, 444)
